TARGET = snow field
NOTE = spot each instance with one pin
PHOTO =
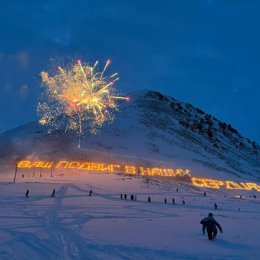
(73, 225)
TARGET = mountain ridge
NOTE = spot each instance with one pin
(151, 128)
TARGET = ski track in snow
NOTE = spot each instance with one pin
(73, 225)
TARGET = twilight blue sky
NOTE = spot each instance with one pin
(205, 52)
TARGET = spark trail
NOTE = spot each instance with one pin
(79, 96)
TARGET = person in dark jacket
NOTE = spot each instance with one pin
(210, 224)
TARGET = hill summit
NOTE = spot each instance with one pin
(150, 129)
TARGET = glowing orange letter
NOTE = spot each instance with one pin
(198, 182)
(85, 166)
(253, 186)
(144, 171)
(60, 164)
(24, 164)
(231, 185)
(74, 165)
(245, 187)
(214, 184)
(157, 171)
(114, 166)
(130, 169)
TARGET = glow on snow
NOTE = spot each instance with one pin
(79, 96)
(142, 171)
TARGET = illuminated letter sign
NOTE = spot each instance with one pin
(133, 170)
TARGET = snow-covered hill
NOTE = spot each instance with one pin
(73, 225)
(150, 129)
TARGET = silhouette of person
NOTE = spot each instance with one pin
(121, 196)
(53, 193)
(165, 200)
(27, 194)
(210, 224)
(215, 206)
(90, 193)
(173, 201)
(125, 196)
(149, 199)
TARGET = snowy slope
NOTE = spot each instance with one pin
(151, 129)
(73, 225)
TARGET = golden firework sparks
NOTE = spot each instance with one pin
(77, 94)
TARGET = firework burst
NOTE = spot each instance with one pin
(79, 96)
